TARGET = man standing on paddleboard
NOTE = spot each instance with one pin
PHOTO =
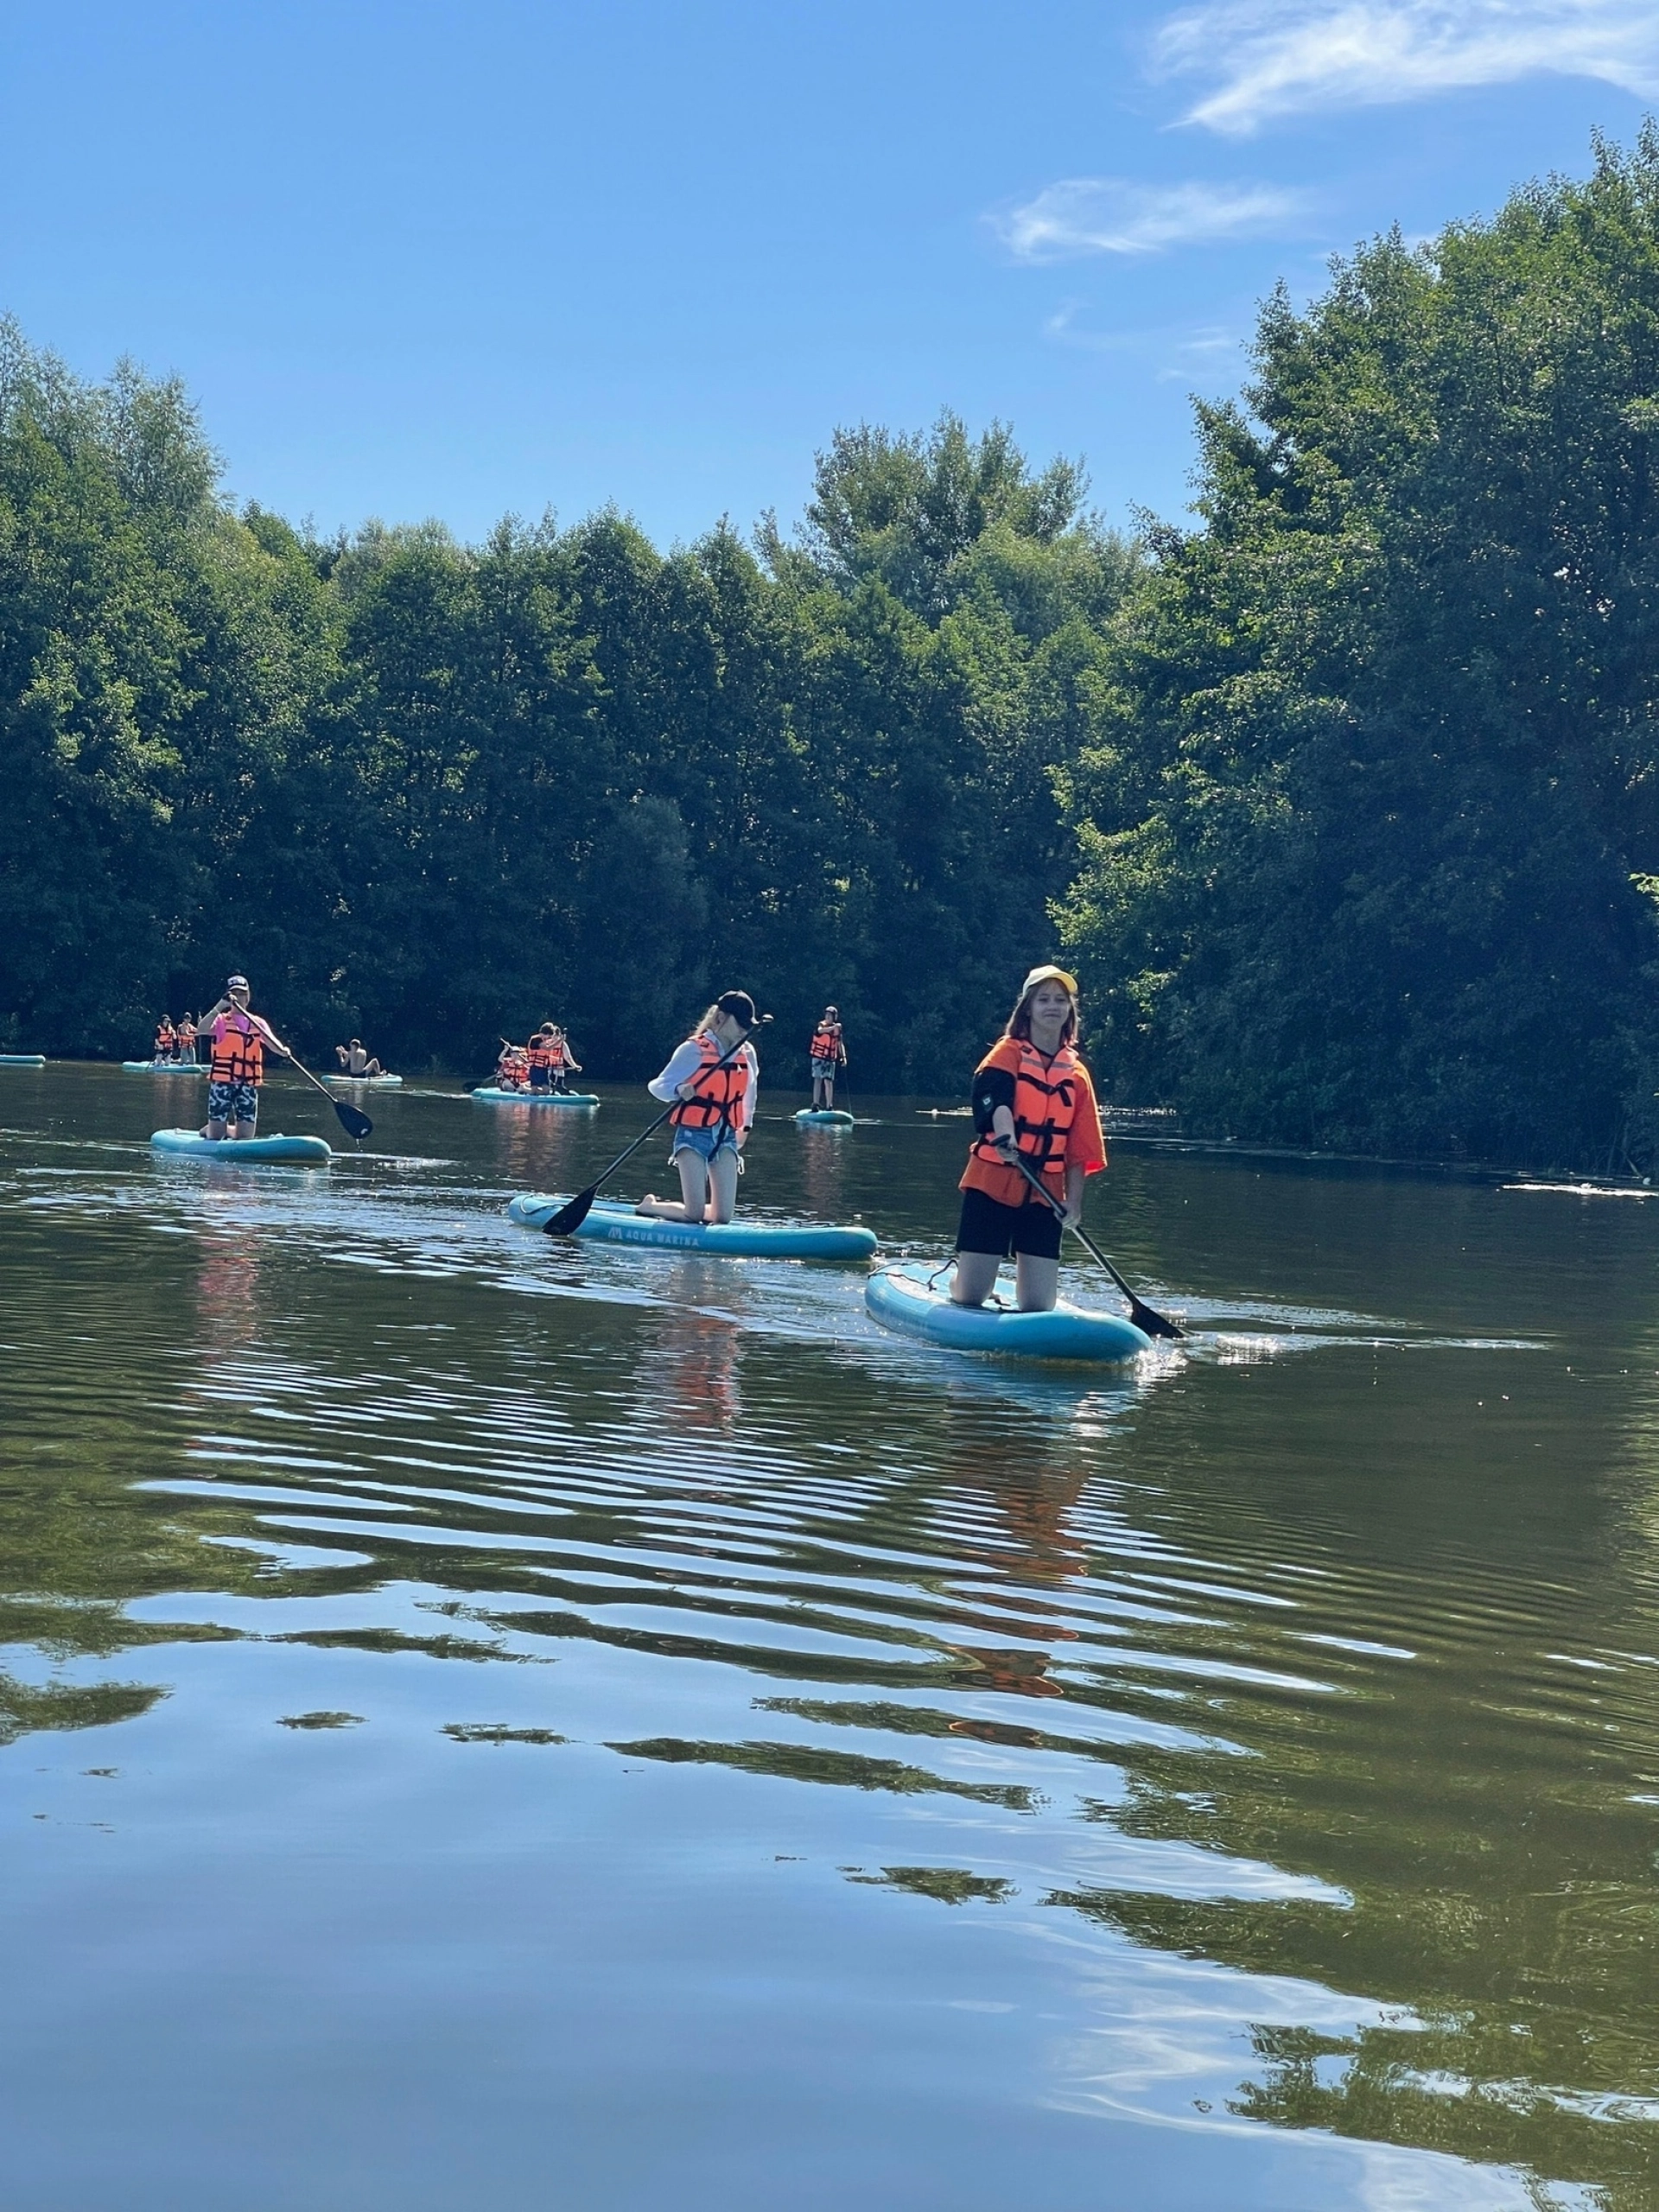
(236, 1066)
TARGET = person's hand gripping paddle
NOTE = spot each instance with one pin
(570, 1216)
(1144, 1317)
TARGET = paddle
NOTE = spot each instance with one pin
(1141, 1313)
(353, 1120)
(570, 1216)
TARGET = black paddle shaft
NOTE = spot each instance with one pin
(571, 1216)
(353, 1120)
(1144, 1317)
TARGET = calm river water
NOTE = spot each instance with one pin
(487, 1723)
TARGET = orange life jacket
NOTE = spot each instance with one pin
(557, 1052)
(1045, 1106)
(166, 1037)
(239, 1050)
(825, 1045)
(719, 1092)
(539, 1052)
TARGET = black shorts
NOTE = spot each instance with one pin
(987, 1225)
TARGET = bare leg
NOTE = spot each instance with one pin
(974, 1279)
(722, 1176)
(694, 1189)
(242, 1130)
(218, 1131)
(1036, 1283)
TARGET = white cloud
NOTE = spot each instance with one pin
(1084, 216)
(1285, 57)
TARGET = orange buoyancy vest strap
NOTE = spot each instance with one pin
(1044, 1105)
(720, 1090)
(825, 1045)
(238, 1054)
(540, 1053)
(556, 1052)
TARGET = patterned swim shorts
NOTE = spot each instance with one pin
(232, 1101)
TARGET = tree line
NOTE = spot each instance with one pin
(1344, 798)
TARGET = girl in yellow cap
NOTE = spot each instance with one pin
(1033, 1102)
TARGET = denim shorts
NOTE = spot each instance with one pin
(706, 1141)
(232, 1101)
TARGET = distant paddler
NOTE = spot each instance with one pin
(166, 1046)
(713, 1079)
(551, 1061)
(237, 1039)
(827, 1054)
(1034, 1110)
(354, 1061)
(185, 1034)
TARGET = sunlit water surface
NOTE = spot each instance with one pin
(491, 1722)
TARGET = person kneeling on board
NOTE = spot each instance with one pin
(1032, 1102)
(236, 1064)
(513, 1068)
(713, 1114)
(827, 1052)
(354, 1060)
(166, 1046)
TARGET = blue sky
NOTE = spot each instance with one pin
(458, 260)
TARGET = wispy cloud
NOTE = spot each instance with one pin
(1084, 215)
(1265, 58)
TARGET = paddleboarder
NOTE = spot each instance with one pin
(827, 1054)
(238, 1038)
(1032, 1102)
(714, 1112)
(355, 1062)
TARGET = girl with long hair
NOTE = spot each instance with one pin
(1035, 1111)
(714, 1111)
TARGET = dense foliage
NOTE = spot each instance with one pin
(1346, 800)
(1369, 839)
(435, 793)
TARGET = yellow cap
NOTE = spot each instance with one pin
(1050, 975)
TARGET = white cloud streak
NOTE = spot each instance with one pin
(1267, 58)
(1085, 215)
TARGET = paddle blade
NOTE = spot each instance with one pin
(355, 1122)
(569, 1218)
(1150, 1323)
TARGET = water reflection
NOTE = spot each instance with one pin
(1279, 1733)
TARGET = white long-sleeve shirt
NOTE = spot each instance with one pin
(688, 1059)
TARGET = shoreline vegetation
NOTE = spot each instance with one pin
(1344, 799)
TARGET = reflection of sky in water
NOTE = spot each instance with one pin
(868, 1755)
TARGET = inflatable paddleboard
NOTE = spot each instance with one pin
(905, 1299)
(367, 1082)
(23, 1060)
(194, 1145)
(824, 1117)
(738, 1240)
(494, 1096)
(163, 1067)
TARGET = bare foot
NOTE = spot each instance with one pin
(648, 1203)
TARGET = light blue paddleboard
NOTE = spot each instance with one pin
(193, 1146)
(23, 1060)
(494, 1094)
(738, 1240)
(904, 1299)
(163, 1067)
(824, 1117)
